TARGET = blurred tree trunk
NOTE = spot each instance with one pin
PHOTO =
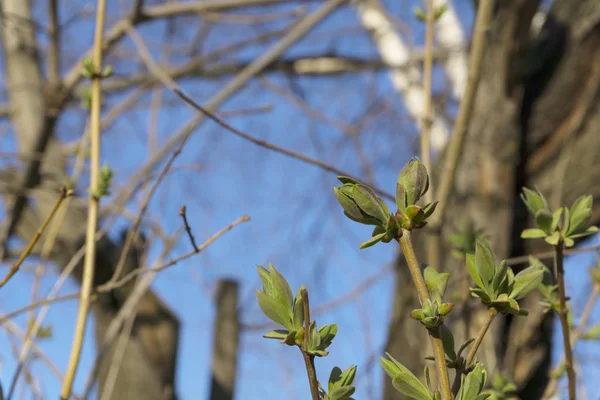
(536, 122)
(225, 342)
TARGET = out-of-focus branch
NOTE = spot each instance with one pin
(54, 45)
(93, 205)
(395, 52)
(309, 65)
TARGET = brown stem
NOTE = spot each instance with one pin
(309, 359)
(436, 341)
(563, 316)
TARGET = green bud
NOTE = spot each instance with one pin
(445, 308)
(413, 183)
(361, 204)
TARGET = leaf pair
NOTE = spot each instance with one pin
(497, 285)
(340, 384)
(563, 224)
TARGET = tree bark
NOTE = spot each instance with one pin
(536, 122)
(225, 342)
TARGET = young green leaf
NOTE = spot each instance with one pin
(544, 219)
(534, 200)
(373, 241)
(280, 334)
(473, 383)
(486, 263)
(526, 281)
(274, 310)
(448, 342)
(580, 214)
(298, 313)
(327, 333)
(533, 233)
(472, 269)
(403, 380)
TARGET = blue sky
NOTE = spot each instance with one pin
(296, 223)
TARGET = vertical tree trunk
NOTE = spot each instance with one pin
(225, 342)
(536, 95)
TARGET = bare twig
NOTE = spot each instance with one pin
(93, 206)
(309, 360)
(188, 229)
(168, 82)
(15, 267)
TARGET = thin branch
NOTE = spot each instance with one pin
(169, 83)
(137, 10)
(93, 206)
(492, 312)
(547, 255)
(564, 318)
(15, 267)
(73, 77)
(188, 229)
(54, 45)
(309, 360)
